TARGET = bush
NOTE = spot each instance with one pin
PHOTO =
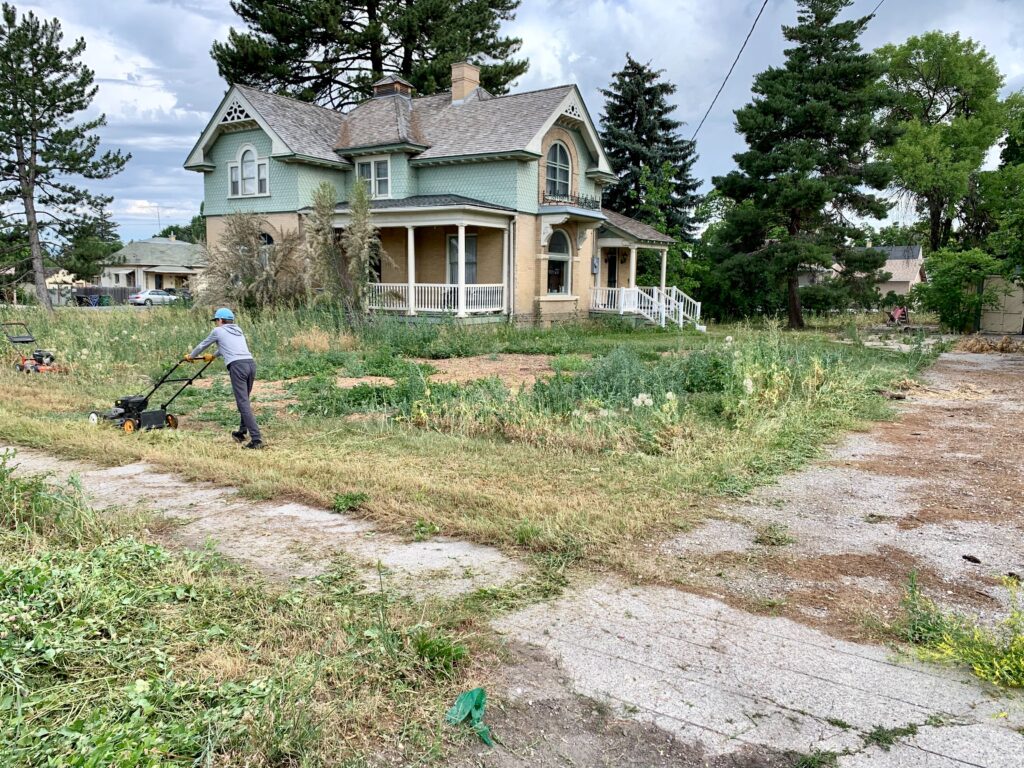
(956, 288)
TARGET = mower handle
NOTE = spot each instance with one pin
(207, 358)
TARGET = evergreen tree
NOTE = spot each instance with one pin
(638, 134)
(89, 247)
(809, 168)
(44, 87)
(331, 51)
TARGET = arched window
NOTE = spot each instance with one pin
(266, 239)
(559, 260)
(248, 174)
(559, 170)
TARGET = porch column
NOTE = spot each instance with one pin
(410, 266)
(461, 274)
(664, 260)
(504, 271)
(632, 266)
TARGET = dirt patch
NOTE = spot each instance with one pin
(540, 723)
(513, 370)
(348, 382)
(936, 491)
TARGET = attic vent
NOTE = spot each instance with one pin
(573, 111)
(235, 113)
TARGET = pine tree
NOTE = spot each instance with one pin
(44, 87)
(809, 168)
(638, 133)
(331, 51)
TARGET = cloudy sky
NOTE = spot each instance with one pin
(158, 84)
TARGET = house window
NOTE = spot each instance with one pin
(117, 278)
(559, 170)
(453, 259)
(377, 175)
(249, 175)
(559, 272)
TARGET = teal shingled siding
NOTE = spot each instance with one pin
(586, 160)
(493, 182)
(291, 184)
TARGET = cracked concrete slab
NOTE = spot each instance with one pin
(283, 540)
(727, 680)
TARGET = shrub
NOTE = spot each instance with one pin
(956, 287)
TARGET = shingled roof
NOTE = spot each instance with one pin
(635, 229)
(307, 129)
(160, 250)
(481, 124)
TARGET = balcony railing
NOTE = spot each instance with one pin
(577, 201)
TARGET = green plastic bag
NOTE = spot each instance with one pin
(470, 706)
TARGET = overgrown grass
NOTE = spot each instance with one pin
(995, 654)
(116, 651)
(613, 448)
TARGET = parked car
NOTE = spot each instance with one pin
(182, 293)
(150, 297)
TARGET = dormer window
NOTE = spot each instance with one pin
(249, 174)
(559, 170)
(376, 172)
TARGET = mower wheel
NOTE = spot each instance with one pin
(172, 421)
(94, 418)
(18, 367)
(128, 426)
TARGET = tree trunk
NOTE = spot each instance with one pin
(796, 316)
(935, 226)
(32, 222)
(376, 48)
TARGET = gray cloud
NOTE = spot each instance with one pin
(158, 84)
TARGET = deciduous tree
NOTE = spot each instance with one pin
(809, 168)
(42, 148)
(946, 106)
(331, 51)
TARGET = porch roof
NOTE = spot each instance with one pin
(423, 201)
(631, 229)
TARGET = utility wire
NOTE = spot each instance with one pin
(727, 75)
(877, 7)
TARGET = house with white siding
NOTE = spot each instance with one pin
(487, 206)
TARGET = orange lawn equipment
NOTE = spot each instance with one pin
(34, 361)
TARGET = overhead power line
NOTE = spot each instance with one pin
(722, 86)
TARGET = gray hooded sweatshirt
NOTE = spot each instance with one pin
(230, 343)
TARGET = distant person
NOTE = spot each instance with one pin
(231, 345)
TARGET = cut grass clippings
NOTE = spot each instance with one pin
(116, 651)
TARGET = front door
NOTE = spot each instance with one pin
(158, 282)
(613, 268)
(453, 259)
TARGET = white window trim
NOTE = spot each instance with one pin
(568, 164)
(568, 258)
(373, 160)
(237, 164)
(452, 243)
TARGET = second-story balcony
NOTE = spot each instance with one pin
(575, 201)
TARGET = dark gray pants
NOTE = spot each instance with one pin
(243, 374)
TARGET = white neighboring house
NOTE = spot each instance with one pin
(156, 263)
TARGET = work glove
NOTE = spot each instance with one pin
(188, 358)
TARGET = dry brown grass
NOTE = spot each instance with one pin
(986, 345)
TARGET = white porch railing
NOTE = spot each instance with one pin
(437, 297)
(650, 302)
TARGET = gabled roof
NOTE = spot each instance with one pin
(296, 129)
(307, 129)
(161, 251)
(903, 262)
(434, 128)
(633, 229)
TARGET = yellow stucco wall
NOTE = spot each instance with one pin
(277, 225)
(432, 254)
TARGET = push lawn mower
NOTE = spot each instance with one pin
(40, 361)
(132, 412)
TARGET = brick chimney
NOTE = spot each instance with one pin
(465, 80)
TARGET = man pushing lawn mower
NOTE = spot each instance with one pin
(231, 345)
